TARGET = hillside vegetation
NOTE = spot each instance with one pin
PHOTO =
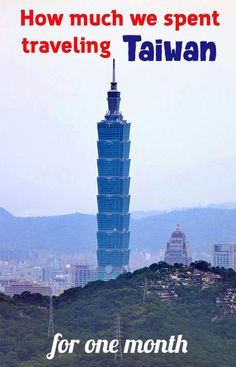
(90, 313)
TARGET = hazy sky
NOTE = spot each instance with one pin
(183, 114)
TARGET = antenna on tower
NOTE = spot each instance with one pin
(119, 352)
(145, 290)
(114, 83)
(114, 71)
(51, 331)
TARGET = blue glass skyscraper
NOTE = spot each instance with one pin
(113, 189)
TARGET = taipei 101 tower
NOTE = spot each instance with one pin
(113, 189)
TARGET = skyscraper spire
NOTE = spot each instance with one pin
(114, 83)
(114, 71)
(113, 95)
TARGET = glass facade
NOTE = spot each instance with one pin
(113, 189)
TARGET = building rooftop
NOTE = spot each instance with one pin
(178, 232)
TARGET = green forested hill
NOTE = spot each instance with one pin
(90, 313)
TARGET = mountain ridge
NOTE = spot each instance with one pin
(77, 232)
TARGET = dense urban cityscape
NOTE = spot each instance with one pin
(51, 272)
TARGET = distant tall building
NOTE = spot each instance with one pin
(37, 274)
(82, 274)
(113, 189)
(178, 250)
(224, 255)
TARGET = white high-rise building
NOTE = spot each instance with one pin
(82, 274)
(37, 274)
(224, 255)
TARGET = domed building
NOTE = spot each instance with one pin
(178, 250)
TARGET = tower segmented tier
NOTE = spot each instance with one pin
(113, 189)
